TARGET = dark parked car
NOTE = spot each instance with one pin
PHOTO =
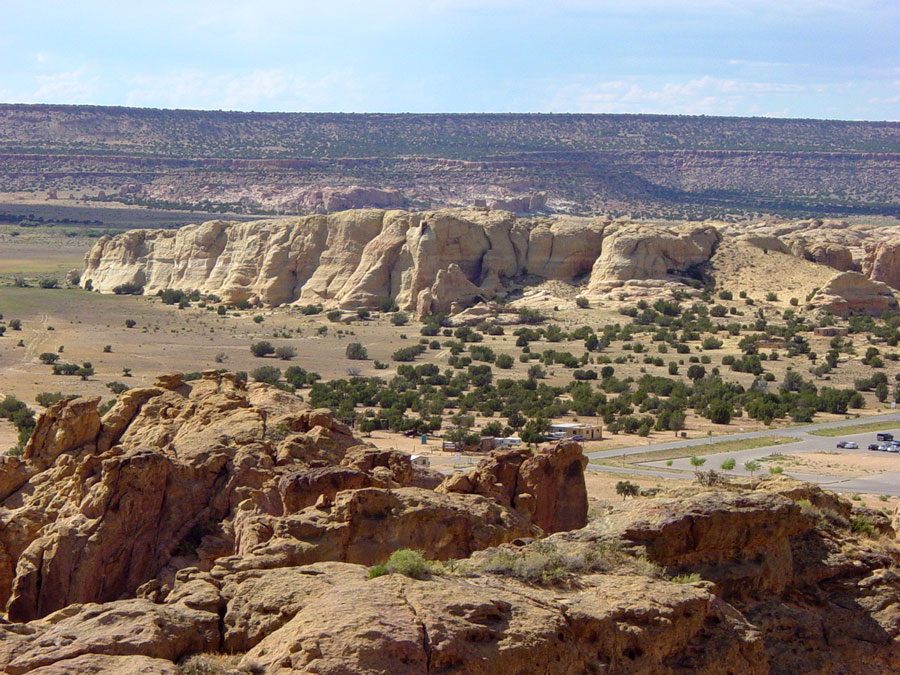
(850, 445)
(884, 436)
(873, 446)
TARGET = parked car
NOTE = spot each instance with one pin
(884, 447)
(873, 446)
(893, 448)
(850, 445)
(884, 436)
(576, 438)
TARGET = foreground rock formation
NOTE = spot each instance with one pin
(765, 577)
(214, 471)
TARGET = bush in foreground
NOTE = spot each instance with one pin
(404, 561)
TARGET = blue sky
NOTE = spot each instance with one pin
(784, 58)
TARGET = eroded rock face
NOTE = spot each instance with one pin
(98, 507)
(637, 252)
(366, 525)
(547, 485)
(427, 262)
(871, 249)
(784, 588)
(401, 625)
(189, 473)
(882, 263)
(852, 293)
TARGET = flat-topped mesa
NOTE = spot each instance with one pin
(424, 261)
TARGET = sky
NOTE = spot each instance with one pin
(823, 59)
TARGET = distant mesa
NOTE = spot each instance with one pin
(649, 166)
(426, 261)
(446, 260)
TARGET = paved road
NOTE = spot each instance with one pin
(887, 482)
(800, 432)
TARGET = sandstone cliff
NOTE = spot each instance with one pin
(424, 261)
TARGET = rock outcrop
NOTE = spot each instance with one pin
(192, 474)
(764, 577)
(637, 252)
(871, 249)
(548, 486)
(882, 263)
(427, 262)
(852, 293)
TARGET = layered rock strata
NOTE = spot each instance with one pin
(425, 261)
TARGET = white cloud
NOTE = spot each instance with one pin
(701, 96)
(73, 86)
(272, 89)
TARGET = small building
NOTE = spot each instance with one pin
(485, 444)
(420, 460)
(507, 442)
(588, 432)
(830, 331)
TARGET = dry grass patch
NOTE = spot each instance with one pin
(856, 429)
(698, 450)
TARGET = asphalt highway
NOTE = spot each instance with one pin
(884, 483)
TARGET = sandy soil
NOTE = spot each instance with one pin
(839, 464)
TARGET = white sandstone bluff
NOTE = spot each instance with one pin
(424, 261)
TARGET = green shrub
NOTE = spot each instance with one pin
(504, 361)
(262, 348)
(686, 578)
(403, 561)
(356, 352)
(267, 374)
(46, 398)
(129, 288)
(116, 387)
(399, 318)
(285, 352)
(627, 489)
(862, 525)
